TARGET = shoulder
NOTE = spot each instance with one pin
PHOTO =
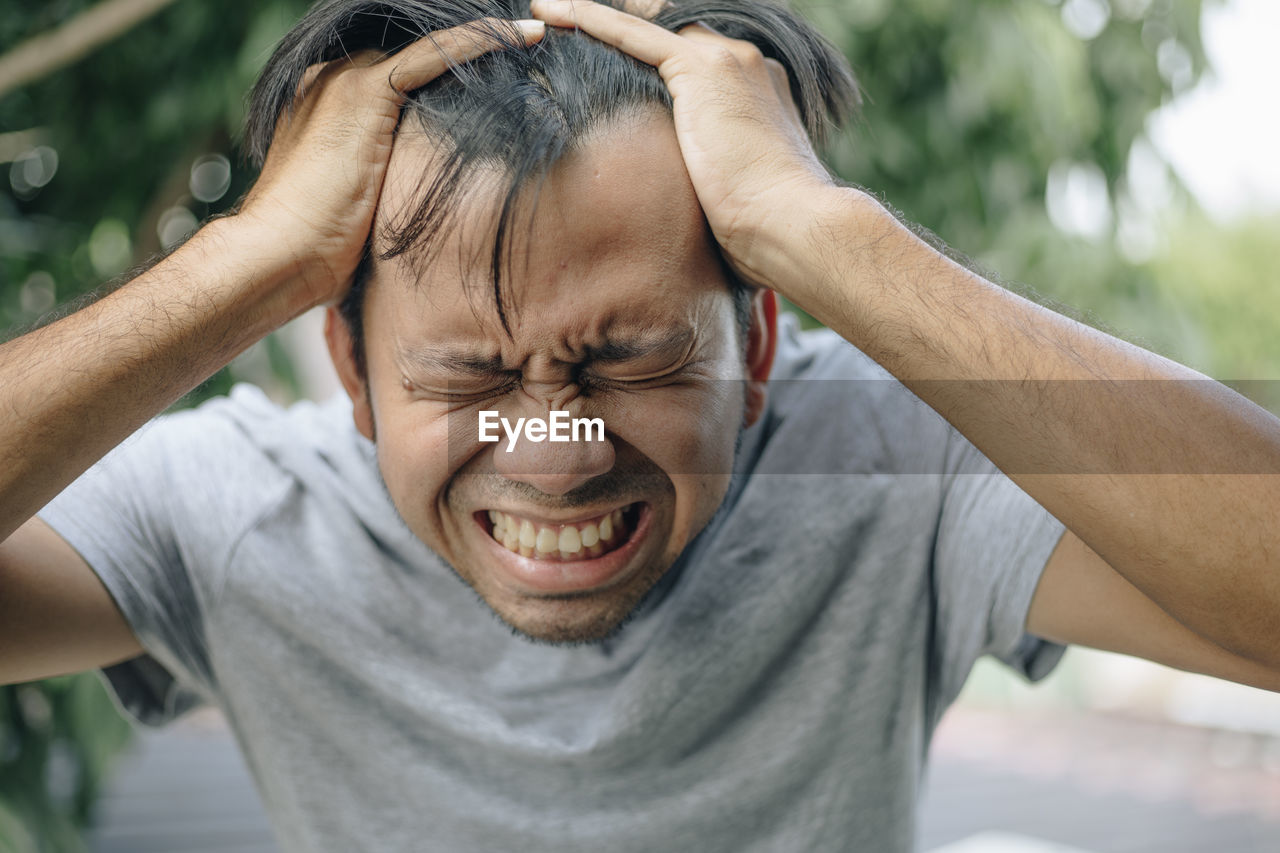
(247, 428)
(243, 434)
(819, 354)
(831, 410)
(217, 467)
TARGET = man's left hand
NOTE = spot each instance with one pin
(1079, 419)
(752, 165)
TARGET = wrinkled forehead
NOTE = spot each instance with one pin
(427, 206)
(617, 207)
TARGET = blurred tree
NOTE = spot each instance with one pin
(1219, 285)
(126, 150)
(72, 40)
(1005, 126)
(971, 105)
(104, 162)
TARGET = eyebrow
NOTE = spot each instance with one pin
(453, 360)
(668, 342)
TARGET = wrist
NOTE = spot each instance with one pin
(256, 268)
(813, 244)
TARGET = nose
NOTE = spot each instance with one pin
(555, 467)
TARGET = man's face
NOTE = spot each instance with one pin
(620, 310)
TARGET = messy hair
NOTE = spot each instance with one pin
(518, 110)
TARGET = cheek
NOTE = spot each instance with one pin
(419, 450)
(692, 440)
(687, 431)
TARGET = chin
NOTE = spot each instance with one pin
(575, 619)
(581, 597)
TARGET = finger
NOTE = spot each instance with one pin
(428, 58)
(365, 58)
(782, 86)
(778, 74)
(647, 9)
(703, 34)
(309, 76)
(359, 59)
(700, 31)
(642, 39)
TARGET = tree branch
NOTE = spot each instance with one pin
(18, 142)
(68, 42)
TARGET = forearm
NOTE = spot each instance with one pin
(73, 390)
(1152, 465)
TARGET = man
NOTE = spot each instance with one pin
(707, 636)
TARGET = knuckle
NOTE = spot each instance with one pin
(749, 55)
(731, 53)
(308, 80)
(366, 57)
(722, 56)
(648, 9)
(355, 82)
(778, 73)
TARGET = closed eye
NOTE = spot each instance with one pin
(469, 392)
(590, 381)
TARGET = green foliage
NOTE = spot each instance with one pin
(969, 105)
(127, 123)
(1217, 289)
(57, 738)
(1222, 280)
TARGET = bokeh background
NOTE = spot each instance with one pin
(1117, 157)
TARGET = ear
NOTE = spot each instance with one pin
(762, 343)
(342, 350)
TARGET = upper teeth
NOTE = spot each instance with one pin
(579, 540)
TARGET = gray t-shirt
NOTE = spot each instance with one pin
(776, 692)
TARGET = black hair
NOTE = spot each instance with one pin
(518, 110)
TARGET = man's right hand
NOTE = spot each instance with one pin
(323, 174)
(72, 391)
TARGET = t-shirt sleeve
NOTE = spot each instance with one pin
(992, 544)
(990, 540)
(150, 523)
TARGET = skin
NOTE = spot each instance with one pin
(1180, 568)
(618, 255)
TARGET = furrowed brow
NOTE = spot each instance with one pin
(668, 343)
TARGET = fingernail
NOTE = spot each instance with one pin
(531, 28)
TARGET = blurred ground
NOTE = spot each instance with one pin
(1001, 782)
(1098, 782)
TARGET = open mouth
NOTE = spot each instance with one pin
(579, 540)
